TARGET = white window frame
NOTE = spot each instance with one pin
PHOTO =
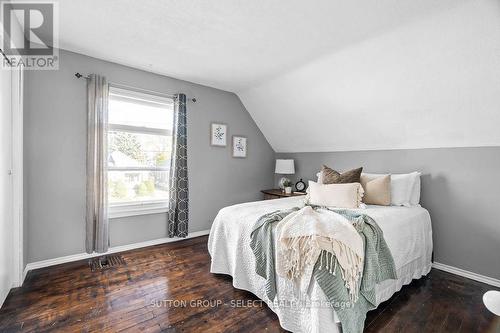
(136, 208)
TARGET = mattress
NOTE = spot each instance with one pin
(407, 231)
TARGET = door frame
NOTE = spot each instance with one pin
(17, 77)
(16, 172)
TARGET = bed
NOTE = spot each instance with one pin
(407, 231)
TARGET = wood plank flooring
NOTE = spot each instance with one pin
(139, 297)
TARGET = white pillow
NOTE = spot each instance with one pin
(405, 188)
(415, 194)
(335, 195)
(319, 175)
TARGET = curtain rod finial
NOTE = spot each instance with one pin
(78, 75)
(193, 99)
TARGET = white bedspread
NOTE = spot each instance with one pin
(407, 232)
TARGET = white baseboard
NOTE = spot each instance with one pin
(114, 249)
(470, 275)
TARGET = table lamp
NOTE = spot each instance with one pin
(284, 167)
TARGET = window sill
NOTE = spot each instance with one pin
(119, 211)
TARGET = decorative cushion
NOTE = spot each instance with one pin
(377, 190)
(330, 176)
(402, 187)
(347, 195)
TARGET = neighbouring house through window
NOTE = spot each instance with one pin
(139, 152)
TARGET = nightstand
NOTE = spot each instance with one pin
(277, 193)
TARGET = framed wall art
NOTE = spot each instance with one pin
(239, 146)
(218, 134)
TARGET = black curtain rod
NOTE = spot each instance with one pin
(80, 76)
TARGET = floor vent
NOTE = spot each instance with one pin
(105, 262)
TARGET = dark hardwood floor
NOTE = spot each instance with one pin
(139, 297)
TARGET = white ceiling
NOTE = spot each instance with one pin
(432, 83)
(319, 75)
(227, 44)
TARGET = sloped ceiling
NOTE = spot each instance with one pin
(317, 75)
(434, 82)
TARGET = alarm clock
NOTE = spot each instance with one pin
(300, 186)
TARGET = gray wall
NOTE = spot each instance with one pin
(55, 143)
(459, 188)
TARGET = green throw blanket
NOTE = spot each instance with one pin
(378, 266)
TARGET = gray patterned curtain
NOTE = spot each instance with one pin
(179, 198)
(96, 196)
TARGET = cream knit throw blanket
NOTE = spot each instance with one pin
(303, 234)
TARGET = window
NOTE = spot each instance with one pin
(139, 150)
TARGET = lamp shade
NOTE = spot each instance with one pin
(285, 167)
